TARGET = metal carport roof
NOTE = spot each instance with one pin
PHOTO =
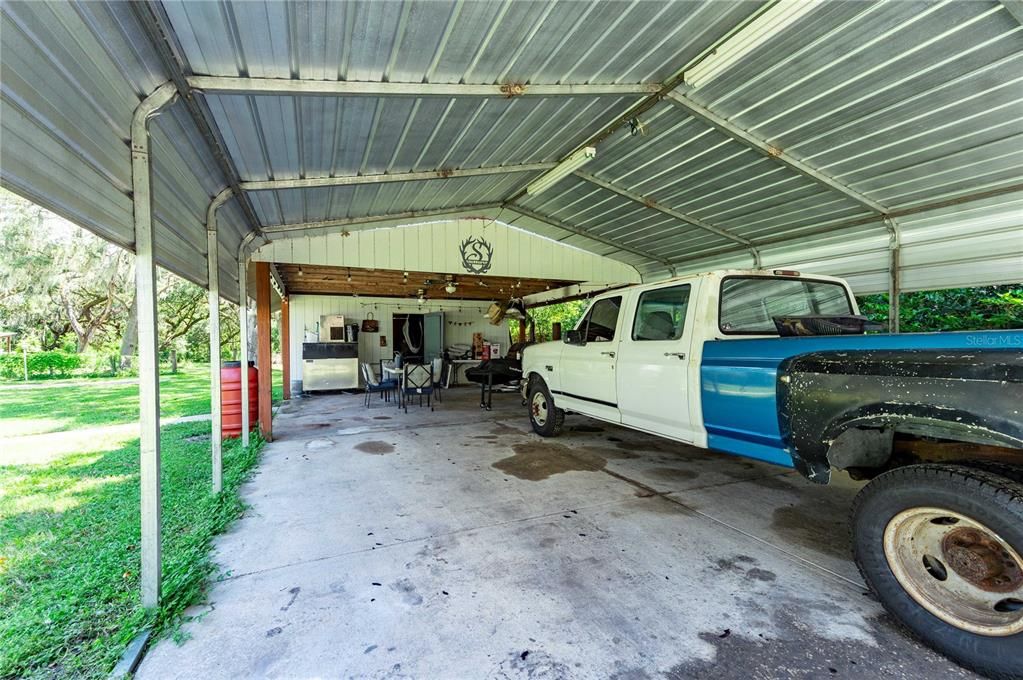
(796, 152)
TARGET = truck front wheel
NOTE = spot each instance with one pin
(942, 547)
(544, 416)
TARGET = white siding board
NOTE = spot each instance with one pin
(435, 247)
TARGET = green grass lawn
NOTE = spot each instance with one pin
(38, 407)
(69, 528)
(69, 549)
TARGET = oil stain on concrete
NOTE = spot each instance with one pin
(535, 461)
(792, 651)
(804, 523)
(671, 474)
(377, 448)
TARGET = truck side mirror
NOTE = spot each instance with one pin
(574, 337)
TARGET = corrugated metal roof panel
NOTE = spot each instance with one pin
(473, 42)
(283, 137)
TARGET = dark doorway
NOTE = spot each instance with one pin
(408, 336)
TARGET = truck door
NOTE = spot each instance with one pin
(653, 363)
(588, 368)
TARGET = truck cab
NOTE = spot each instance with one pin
(635, 356)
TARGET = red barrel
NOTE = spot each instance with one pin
(231, 398)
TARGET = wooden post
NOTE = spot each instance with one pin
(522, 330)
(286, 345)
(556, 330)
(263, 362)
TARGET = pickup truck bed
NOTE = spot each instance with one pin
(784, 400)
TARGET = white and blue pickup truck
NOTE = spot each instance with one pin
(932, 419)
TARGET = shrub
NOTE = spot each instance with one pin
(11, 366)
(53, 362)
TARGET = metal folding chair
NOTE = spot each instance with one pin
(417, 379)
(375, 385)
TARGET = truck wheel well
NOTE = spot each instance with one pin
(867, 448)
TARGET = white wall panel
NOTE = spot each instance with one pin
(976, 244)
(435, 247)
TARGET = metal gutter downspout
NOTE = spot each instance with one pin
(894, 276)
(149, 367)
(213, 278)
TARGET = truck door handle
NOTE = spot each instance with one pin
(680, 355)
(610, 354)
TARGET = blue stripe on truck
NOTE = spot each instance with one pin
(739, 381)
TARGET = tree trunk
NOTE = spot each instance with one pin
(174, 360)
(130, 337)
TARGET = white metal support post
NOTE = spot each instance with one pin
(213, 272)
(243, 332)
(894, 274)
(243, 328)
(149, 367)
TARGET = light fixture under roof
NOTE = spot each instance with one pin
(349, 279)
(562, 170)
(451, 286)
(765, 26)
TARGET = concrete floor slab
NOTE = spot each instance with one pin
(457, 544)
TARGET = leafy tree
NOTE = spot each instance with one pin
(953, 309)
(565, 313)
(56, 279)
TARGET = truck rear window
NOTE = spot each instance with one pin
(750, 303)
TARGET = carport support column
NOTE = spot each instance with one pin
(263, 361)
(149, 367)
(894, 264)
(213, 276)
(243, 336)
(286, 345)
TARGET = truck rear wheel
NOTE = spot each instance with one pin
(942, 547)
(544, 416)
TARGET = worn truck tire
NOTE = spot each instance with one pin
(544, 416)
(941, 546)
(1007, 470)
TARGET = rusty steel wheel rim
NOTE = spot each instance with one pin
(957, 569)
(538, 408)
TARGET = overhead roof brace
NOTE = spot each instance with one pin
(314, 182)
(526, 212)
(654, 205)
(704, 114)
(352, 88)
